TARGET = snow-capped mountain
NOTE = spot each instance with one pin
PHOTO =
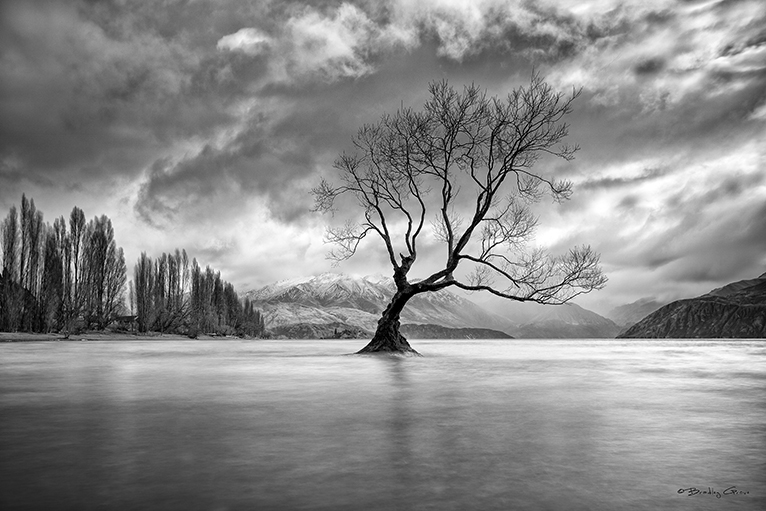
(329, 290)
(339, 299)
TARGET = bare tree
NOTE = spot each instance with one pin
(77, 237)
(10, 296)
(143, 278)
(460, 172)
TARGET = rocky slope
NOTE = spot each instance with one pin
(737, 310)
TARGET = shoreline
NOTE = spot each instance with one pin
(107, 336)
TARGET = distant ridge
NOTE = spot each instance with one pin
(737, 310)
(568, 321)
(413, 331)
(628, 315)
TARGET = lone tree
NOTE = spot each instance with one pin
(463, 166)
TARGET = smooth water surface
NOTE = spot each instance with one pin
(484, 425)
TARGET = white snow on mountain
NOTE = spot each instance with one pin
(331, 297)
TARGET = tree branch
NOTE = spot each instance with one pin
(465, 142)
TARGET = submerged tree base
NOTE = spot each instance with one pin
(389, 353)
(388, 341)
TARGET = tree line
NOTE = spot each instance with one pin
(61, 276)
(170, 294)
(71, 276)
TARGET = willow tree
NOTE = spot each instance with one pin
(460, 172)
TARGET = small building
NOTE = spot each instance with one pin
(129, 323)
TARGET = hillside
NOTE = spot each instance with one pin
(628, 315)
(737, 310)
(534, 321)
(567, 321)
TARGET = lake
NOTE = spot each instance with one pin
(485, 425)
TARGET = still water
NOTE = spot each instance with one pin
(473, 425)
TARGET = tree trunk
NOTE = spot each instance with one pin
(387, 338)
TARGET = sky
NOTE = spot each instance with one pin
(203, 124)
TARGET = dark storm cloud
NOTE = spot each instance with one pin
(715, 233)
(97, 89)
(266, 159)
(649, 66)
(702, 124)
(205, 188)
(13, 179)
(733, 244)
(551, 35)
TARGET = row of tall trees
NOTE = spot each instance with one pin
(172, 295)
(59, 277)
(72, 276)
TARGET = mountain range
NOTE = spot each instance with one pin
(335, 305)
(342, 305)
(737, 310)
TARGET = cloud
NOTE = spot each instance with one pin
(247, 40)
(465, 29)
(719, 248)
(333, 47)
(195, 122)
(649, 66)
(675, 230)
(681, 47)
(623, 180)
(327, 46)
(348, 41)
(272, 156)
(91, 100)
